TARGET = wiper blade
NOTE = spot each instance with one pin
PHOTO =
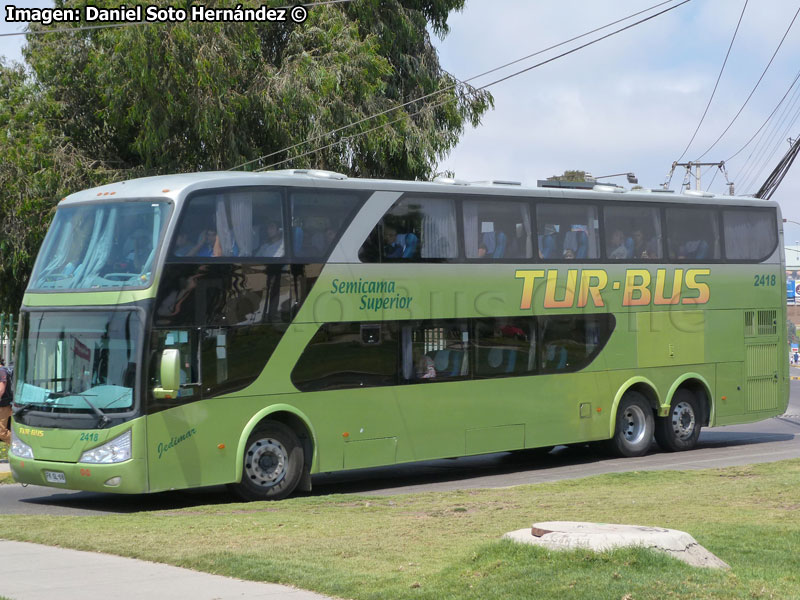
(120, 397)
(103, 419)
(23, 409)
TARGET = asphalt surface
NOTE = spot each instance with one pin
(766, 441)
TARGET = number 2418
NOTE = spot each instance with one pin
(764, 280)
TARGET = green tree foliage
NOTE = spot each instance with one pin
(109, 104)
(569, 176)
(196, 96)
(38, 165)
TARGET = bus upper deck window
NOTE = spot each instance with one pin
(495, 230)
(417, 229)
(632, 232)
(567, 231)
(692, 233)
(318, 219)
(232, 223)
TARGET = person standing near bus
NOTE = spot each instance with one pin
(5, 403)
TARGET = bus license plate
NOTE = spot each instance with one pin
(55, 477)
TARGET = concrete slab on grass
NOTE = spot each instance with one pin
(571, 535)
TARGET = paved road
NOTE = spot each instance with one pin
(767, 441)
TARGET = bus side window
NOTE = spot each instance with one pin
(632, 233)
(750, 233)
(505, 346)
(567, 231)
(231, 223)
(570, 342)
(435, 351)
(318, 218)
(692, 233)
(497, 230)
(348, 355)
(420, 229)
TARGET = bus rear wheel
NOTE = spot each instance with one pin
(681, 428)
(633, 432)
(273, 463)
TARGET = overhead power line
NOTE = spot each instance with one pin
(755, 87)
(774, 110)
(776, 177)
(714, 91)
(774, 134)
(500, 80)
(443, 90)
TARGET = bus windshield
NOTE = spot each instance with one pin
(78, 360)
(109, 245)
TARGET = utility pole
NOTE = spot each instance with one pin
(778, 173)
(697, 165)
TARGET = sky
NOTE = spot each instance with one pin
(629, 103)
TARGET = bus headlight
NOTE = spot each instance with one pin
(114, 451)
(19, 448)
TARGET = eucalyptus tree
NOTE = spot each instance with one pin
(104, 104)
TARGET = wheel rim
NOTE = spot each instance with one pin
(265, 462)
(683, 421)
(634, 424)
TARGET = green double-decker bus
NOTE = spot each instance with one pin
(255, 329)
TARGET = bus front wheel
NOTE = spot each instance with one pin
(273, 463)
(633, 432)
(680, 429)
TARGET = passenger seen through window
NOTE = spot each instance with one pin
(632, 232)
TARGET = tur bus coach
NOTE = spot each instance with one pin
(255, 329)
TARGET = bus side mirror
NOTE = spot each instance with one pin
(170, 374)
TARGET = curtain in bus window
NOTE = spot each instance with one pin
(238, 223)
(235, 234)
(527, 232)
(100, 246)
(61, 237)
(97, 252)
(438, 229)
(418, 229)
(750, 234)
(471, 229)
(242, 222)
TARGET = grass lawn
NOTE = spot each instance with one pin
(4, 477)
(446, 545)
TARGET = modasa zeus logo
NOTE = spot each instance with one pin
(577, 287)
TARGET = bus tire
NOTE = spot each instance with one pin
(273, 463)
(680, 429)
(633, 432)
